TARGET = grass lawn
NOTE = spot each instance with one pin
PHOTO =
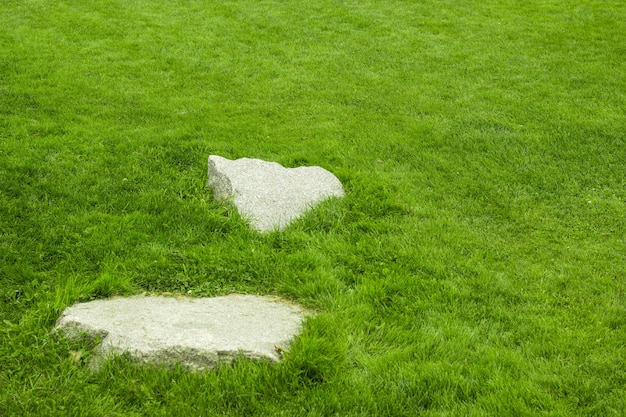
(476, 267)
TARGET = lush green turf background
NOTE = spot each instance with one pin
(476, 267)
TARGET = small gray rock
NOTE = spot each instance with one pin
(196, 332)
(267, 194)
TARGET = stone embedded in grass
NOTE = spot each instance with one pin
(195, 332)
(268, 194)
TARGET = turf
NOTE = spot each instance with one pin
(476, 267)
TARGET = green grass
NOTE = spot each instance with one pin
(476, 267)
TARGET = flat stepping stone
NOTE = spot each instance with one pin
(267, 194)
(196, 332)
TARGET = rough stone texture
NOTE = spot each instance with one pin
(268, 194)
(195, 332)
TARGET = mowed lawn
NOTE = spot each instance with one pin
(476, 266)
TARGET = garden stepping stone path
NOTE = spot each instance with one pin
(198, 333)
(267, 194)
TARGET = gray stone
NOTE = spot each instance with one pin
(267, 194)
(195, 332)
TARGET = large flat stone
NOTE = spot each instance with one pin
(195, 332)
(269, 195)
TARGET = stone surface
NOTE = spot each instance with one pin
(267, 194)
(195, 332)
